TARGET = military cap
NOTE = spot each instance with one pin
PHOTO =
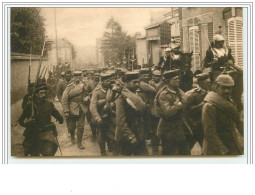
(111, 72)
(90, 72)
(156, 73)
(77, 73)
(41, 86)
(218, 37)
(121, 70)
(129, 76)
(171, 73)
(31, 85)
(104, 76)
(202, 76)
(168, 49)
(175, 45)
(225, 80)
(63, 73)
(68, 72)
(144, 71)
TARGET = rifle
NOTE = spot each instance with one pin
(46, 70)
(210, 46)
(29, 70)
(40, 76)
(37, 77)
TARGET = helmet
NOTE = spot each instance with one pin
(225, 80)
(218, 37)
(175, 45)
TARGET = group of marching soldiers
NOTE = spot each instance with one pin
(129, 110)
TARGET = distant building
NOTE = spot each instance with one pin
(157, 35)
(141, 50)
(65, 53)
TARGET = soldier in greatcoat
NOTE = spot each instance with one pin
(74, 107)
(101, 111)
(130, 132)
(221, 121)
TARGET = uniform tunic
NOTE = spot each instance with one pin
(171, 128)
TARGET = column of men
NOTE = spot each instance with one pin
(124, 109)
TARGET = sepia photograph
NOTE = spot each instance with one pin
(126, 82)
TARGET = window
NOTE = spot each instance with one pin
(235, 39)
(194, 46)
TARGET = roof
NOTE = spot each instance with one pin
(152, 26)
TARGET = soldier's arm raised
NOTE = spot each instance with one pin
(168, 110)
(209, 127)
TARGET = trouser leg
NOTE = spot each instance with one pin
(94, 131)
(80, 130)
(140, 149)
(184, 148)
(71, 125)
(169, 146)
(154, 138)
(92, 126)
(101, 141)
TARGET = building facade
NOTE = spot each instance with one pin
(198, 26)
(64, 52)
(141, 51)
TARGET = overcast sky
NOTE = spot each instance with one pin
(81, 26)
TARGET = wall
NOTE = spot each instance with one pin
(19, 76)
(141, 51)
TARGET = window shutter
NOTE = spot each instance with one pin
(195, 47)
(235, 39)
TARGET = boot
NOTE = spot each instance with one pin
(102, 149)
(155, 150)
(94, 133)
(72, 138)
(79, 140)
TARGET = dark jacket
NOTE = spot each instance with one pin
(42, 128)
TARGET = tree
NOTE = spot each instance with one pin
(116, 43)
(27, 30)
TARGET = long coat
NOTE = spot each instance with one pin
(129, 122)
(42, 129)
(220, 130)
(99, 99)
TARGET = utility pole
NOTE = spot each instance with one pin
(56, 34)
